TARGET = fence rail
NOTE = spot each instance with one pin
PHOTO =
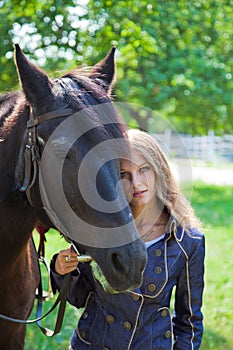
(208, 148)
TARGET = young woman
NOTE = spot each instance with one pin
(141, 319)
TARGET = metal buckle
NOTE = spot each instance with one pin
(32, 122)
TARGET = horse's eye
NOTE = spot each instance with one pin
(61, 147)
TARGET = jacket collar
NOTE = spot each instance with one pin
(174, 230)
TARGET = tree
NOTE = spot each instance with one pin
(174, 57)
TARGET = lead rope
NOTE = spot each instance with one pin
(41, 294)
(62, 298)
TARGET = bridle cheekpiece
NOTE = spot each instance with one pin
(31, 152)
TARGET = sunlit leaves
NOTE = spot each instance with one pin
(175, 57)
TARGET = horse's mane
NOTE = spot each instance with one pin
(7, 102)
(82, 92)
(12, 105)
(13, 119)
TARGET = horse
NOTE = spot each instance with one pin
(28, 118)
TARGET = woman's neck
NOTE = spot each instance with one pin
(147, 214)
(151, 220)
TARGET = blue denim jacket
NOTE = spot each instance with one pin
(141, 319)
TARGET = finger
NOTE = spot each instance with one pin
(66, 261)
(67, 254)
(70, 259)
(62, 267)
(72, 252)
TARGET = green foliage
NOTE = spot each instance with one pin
(174, 53)
(174, 57)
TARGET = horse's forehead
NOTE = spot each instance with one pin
(75, 92)
(65, 83)
(60, 89)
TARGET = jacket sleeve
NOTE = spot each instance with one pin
(80, 286)
(188, 318)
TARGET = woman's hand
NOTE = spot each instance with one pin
(66, 261)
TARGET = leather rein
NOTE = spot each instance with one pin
(32, 159)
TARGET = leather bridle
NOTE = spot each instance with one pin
(31, 152)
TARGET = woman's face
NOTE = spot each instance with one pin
(139, 180)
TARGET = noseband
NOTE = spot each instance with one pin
(31, 153)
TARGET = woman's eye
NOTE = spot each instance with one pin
(145, 169)
(124, 175)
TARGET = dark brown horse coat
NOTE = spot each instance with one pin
(18, 262)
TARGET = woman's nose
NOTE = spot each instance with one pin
(136, 180)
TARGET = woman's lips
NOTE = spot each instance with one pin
(139, 193)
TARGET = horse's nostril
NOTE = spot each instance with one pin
(118, 264)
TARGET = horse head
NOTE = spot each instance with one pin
(76, 136)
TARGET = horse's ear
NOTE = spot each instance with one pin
(105, 70)
(34, 81)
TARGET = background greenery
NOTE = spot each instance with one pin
(175, 57)
(213, 204)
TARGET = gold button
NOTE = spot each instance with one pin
(85, 315)
(105, 348)
(168, 334)
(127, 325)
(151, 287)
(135, 296)
(164, 313)
(110, 319)
(158, 270)
(158, 252)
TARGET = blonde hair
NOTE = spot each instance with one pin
(167, 188)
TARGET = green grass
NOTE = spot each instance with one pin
(213, 204)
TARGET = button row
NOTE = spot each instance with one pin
(152, 287)
(111, 319)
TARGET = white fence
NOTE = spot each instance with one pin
(209, 148)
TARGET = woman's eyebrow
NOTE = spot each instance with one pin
(138, 166)
(143, 164)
